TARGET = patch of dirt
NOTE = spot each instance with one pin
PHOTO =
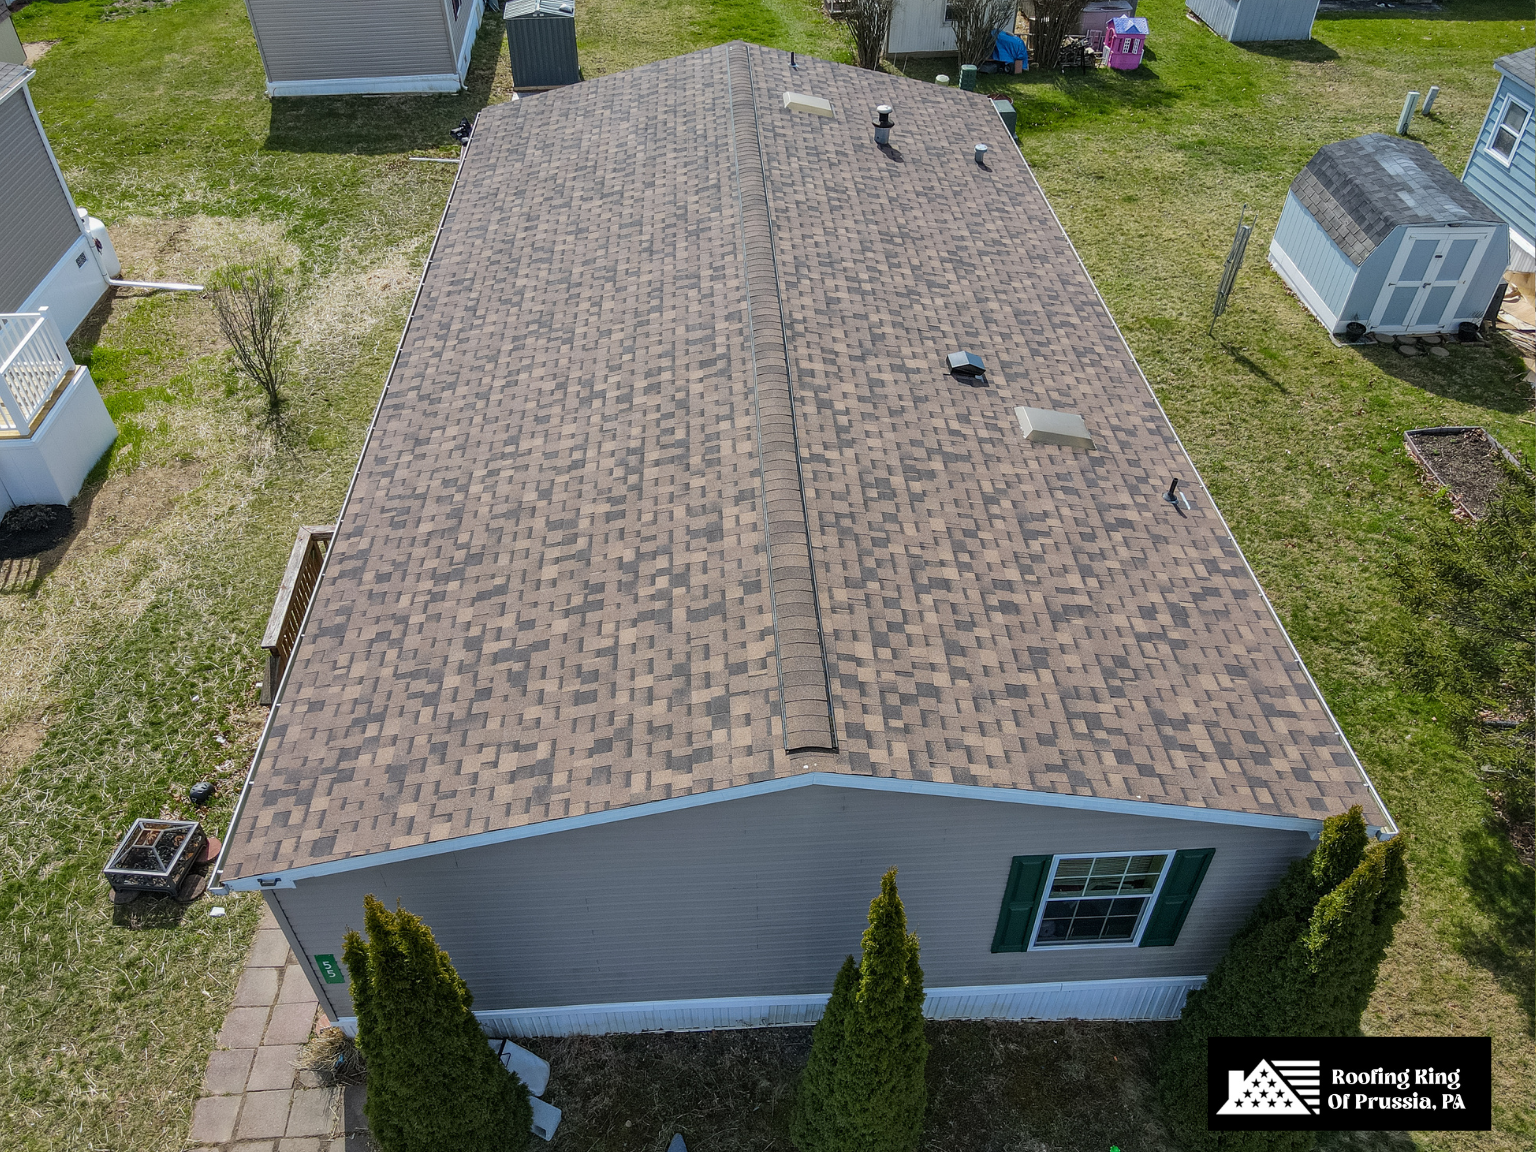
(193, 248)
(36, 50)
(120, 9)
(106, 516)
(17, 744)
(1468, 463)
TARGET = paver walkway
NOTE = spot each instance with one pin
(253, 1097)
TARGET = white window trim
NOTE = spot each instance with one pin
(1030, 944)
(1494, 131)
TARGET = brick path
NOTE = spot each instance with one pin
(253, 1098)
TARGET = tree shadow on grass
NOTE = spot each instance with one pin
(384, 125)
(1501, 886)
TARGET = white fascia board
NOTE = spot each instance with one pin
(287, 877)
(1530, 249)
(1286, 269)
(366, 85)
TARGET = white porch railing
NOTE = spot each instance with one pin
(34, 362)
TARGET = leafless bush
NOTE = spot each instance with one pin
(975, 23)
(334, 1058)
(249, 300)
(869, 21)
(1053, 20)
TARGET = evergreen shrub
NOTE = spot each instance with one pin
(433, 1081)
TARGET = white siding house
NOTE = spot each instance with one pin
(364, 46)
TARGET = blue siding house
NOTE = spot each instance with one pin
(1376, 232)
(1246, 20)
(1502, 168)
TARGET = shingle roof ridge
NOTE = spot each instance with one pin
(1519, 65)
(805, 694)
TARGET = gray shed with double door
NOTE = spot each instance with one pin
(1250, 20)
(1376, 232)
(364, 46)
(541, 42)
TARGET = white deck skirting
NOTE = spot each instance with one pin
(71, 288)
(366, 85)
(1150, 998)
(1286, 269)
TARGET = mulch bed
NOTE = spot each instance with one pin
(29, 529)
(1466, 461)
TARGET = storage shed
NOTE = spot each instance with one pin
(53, 425)
(1502, 167)
(364, 46)
(541, 42)
(661, 622)
(1248, 20)
(1375, 231)
(11, 51)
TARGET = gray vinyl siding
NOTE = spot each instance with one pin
(1330, 272)
(37, 225)
(1242, 20)
(1511, 191)
(766, 895)
(347, 39)
(460, 23)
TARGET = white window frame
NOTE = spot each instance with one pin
(1032, 944)
(1498, 122)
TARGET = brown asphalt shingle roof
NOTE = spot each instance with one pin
(552, 593)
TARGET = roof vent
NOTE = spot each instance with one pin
(981, 154)
(882, 123)
(966, 364)
(815, 105)
(1044, 426)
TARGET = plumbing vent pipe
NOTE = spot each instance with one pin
(882, 123)
(981, 155)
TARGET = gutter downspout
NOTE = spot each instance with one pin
(216, 879)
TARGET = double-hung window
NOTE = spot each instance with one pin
(1098, 899)
(1125, 899)
(1508, 130)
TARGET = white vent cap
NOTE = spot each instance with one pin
(1044, 426)
(799, 102)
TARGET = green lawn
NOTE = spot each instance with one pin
(128, 669)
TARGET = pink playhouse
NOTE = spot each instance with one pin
(1125, 38)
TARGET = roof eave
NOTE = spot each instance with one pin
(288, 877)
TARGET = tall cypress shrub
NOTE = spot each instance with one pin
(813, 1126)
(880, 1094)
(1303, 965)
(433, 1081)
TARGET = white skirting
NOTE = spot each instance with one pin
(49, 466)
(365, 85)
(1153, 998)
(1286, 269)
(71, 288)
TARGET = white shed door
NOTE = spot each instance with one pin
(1428, 279)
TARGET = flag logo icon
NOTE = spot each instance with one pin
(1274, 1088)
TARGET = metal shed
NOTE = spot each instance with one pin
(1376, 232)
(541, 42)
(1248, 20)
(364, 46)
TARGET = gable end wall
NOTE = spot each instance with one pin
(1511, 191)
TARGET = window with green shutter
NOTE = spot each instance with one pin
(1026, 880)
(1178, 893)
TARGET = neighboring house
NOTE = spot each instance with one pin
(1247, 20)
(364, 46)
(681, 591)
(1375, 231)
(47, 257)
(1502, 168)
(53, 425)
(11, 51)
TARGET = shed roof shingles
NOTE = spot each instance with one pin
(549, 596)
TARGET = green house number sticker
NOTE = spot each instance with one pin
(330, 971)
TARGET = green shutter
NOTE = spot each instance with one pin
(1026, 880)
(1184, 876)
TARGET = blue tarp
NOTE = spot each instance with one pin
(1010, 48)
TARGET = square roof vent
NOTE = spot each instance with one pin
(1044, 426)
(815, 105)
